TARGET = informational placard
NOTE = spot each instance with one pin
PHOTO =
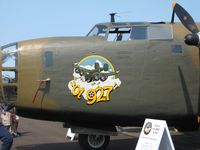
(155, 135)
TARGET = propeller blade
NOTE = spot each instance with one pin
(185, 18)
(199, 88)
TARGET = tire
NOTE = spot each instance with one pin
(88, 79)
(81, 73)
(103, 77)
(77, 70)
(93, 142)
(96, 76)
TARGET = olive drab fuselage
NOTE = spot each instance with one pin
(103, 79)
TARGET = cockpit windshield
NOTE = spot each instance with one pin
(98, 30)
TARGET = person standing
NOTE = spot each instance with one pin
(14, 123)
(5, 136)
(6, 119)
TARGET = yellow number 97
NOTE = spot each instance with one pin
(91, 96)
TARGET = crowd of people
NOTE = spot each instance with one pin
(8, 126)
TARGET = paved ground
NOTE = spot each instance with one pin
(43, 135)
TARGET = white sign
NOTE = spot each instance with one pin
(155, 136)
(70, 135)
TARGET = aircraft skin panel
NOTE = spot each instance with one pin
(29, 72)
(155, 80)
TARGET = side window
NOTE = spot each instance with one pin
(119, 34)
(9, 72)
(156, 32)
(9, 76)
(9, 56)
(48, 59)
(139, 33)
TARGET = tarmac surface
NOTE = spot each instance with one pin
(45, 135)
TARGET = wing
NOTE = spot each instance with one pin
(76, 66)
(109, 73)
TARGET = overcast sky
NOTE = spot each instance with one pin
(28, 19)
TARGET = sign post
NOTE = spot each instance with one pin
(155, 135)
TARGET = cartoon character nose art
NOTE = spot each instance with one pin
(94, 79)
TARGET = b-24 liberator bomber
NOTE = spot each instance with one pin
(159, 77)
(94, 74)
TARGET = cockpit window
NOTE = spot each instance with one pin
(138, 33)
(119, 34)
(132, 31)
(157, 32)
(152, 32)
(98, 30)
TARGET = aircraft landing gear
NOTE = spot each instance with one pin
(93, 142)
